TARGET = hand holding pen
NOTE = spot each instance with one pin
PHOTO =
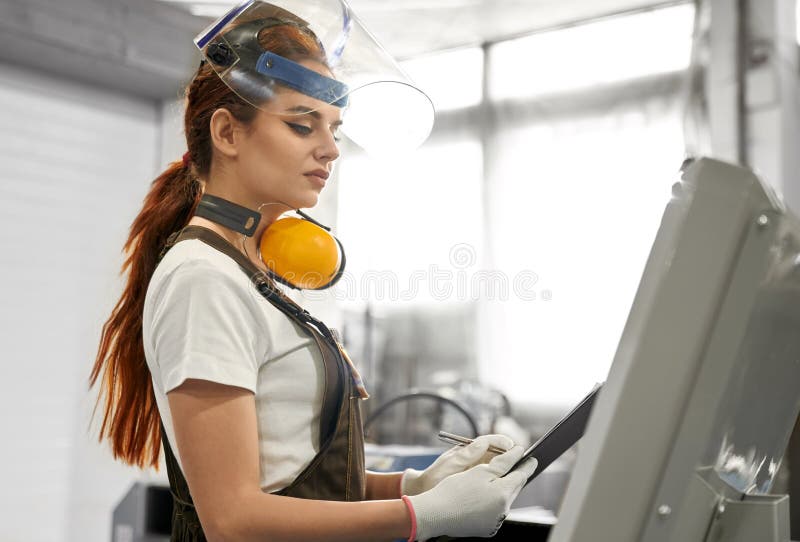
(469, 488)
(466, 454)
(458, 440)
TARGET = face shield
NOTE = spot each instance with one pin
(319, 49)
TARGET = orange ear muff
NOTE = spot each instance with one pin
(302, 254)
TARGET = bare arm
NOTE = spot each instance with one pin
(216, 433)
(382, 485)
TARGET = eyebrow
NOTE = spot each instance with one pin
(308, 111)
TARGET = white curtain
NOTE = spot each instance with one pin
(413, 222)
(406, 221)
(535, 205)
(574, 203)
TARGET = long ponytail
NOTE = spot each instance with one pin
(131, 420)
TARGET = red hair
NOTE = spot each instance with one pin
(130, 416)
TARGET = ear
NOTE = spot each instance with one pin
(225, 132)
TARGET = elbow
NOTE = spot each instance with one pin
(232, 517)
(222, 527)
(220, 533)
(215, 530)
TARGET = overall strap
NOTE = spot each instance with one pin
(186, 525)
(267, 288)
(337, 471)
(260, 279)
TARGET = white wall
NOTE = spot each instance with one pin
(172, 142)
(75, 163)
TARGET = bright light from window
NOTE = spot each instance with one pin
(577, 200)
(402, 219)
(388, 117)
(617, 49)
(204, 8)
(212, 11)
(452, 79)
(797, 20)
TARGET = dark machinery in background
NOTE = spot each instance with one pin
(441, 401)
(143, 515)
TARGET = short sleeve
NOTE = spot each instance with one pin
(204, 326)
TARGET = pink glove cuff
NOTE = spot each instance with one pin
(413, 515)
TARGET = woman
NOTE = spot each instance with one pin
(255, 401)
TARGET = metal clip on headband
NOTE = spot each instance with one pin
(228, 214)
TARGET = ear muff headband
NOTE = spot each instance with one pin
(298, 252)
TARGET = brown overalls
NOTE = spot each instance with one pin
(337, 472)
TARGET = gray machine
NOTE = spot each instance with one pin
(143, 515)
(687, 435)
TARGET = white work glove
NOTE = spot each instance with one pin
(456, 459)
(471, 503)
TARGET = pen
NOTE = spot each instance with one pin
(458, 440)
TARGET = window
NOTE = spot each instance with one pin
(463, 85)
(588, 55)
(578, 168)
(402, 220)
(575, 206)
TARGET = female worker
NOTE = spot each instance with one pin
(255, 401)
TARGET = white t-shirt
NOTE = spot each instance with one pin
(204, 319)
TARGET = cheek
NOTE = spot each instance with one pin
(260, 150)
(287, 152)
(274, 152)
(272, 159)
(270, 139)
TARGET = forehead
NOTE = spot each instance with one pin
(287, 101)
(290, 102)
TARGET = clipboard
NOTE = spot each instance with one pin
(562, 436)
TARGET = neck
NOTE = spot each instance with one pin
(248, 245)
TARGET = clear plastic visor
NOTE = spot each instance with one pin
(305, 57)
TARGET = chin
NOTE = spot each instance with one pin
(307, 202)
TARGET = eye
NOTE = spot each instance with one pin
(299, 128)
(336, 135)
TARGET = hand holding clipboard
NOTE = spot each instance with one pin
(561, 437)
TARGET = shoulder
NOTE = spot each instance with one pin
(195, 260)
(196, 256)
(194, 269)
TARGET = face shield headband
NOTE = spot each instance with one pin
(237, 45)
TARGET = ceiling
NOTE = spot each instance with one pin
(144, 47)
(412, 27)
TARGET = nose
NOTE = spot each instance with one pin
(328, 149)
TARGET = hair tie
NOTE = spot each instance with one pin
(186, 159)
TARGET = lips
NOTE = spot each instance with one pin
(318, 177)
(321, 173)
